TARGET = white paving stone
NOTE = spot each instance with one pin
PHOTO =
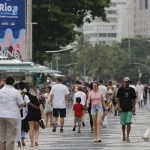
(111, 137)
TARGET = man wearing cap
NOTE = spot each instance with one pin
(126, 104)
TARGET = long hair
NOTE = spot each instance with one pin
(33, 92)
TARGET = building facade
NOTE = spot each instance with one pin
(120, 24)
(142, 18)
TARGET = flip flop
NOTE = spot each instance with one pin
(127, 140)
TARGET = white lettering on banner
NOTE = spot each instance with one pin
(8, 10)
(14, 54)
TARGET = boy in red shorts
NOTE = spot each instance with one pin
(78, 109)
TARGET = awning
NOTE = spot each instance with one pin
(27, 69)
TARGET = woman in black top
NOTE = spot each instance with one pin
(33, 117)
(90, 87)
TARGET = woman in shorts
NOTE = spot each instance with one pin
(97, 104)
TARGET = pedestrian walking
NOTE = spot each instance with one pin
(82, 95)
(50, 81)
(126, 104)
(97, 103)
(115, 101)
(140, 93)
(34, 116)
(48, 107)
(109, 94)
(103, 89)
(10, 121)
(24, 111)
(58, 97)
(90, 88)
(78, 110)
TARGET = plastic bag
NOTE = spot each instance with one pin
(105, 122)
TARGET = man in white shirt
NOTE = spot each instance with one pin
(140, 93)
(58, 97)
(10, 103)
(103, 90)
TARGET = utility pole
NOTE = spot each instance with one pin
(129, 41)
(57, 58)
(29, 31)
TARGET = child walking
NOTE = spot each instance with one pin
(78, 109)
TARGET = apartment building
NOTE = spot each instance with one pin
(119, 25)
(142, 18)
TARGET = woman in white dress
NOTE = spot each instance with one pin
(48, 108)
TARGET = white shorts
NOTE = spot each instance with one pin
(140, 97)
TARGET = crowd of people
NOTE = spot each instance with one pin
(25, 111)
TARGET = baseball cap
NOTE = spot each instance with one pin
(126, 79)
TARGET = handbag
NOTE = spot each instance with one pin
(41, 123)
(48, 108)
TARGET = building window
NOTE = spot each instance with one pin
(143, 4)
(102, 35)
(113, 4)
(112, 12)
(112, 19)
(112, 35)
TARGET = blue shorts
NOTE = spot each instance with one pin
(96, 109)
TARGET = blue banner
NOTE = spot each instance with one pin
(12, 28)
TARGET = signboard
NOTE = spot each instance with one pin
(12, 28)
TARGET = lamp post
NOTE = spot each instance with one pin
(129, 41)
(57, 52)
(145, 67)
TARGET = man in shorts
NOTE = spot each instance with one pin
(58, 97)
(126, 104)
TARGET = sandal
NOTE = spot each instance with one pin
(36, 143)
(19, 144)
(23, 144)
(127, 140)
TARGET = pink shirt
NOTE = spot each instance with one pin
(96, 97)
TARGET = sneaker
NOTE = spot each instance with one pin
(92, 131)
(61, 130)
(79, 131)
(83, 124)
(54, 130)
(118, 114)
(74, 128)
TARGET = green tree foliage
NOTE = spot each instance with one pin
(111, 62)
(57, 18)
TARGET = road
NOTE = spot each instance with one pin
(111, 136)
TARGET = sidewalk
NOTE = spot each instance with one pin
(111, 136)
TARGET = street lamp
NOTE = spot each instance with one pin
(145, 67)
(57, 52)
